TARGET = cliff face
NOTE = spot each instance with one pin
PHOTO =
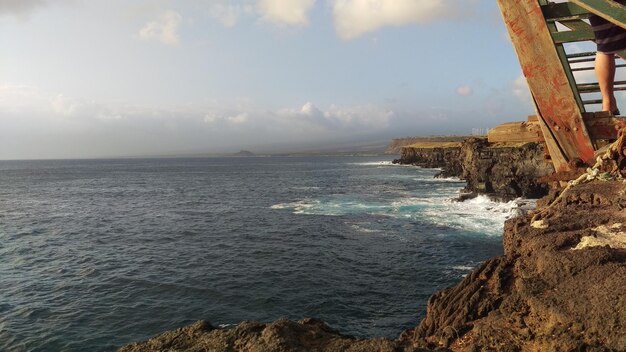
(507, 171)
(558, 287)
(448, 159)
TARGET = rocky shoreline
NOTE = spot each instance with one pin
(504, 171)
(559, 286)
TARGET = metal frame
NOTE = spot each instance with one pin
(539, 44)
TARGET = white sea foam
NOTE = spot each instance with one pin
(374, 163)
(299, 207)
(464, 267)
(480, 215)
(362, 229)
(431, 179)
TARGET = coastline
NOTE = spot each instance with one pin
(504, 171)
(555, 288)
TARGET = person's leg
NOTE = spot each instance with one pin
(605, 71)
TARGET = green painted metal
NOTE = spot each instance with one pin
(573, 36)
(607, 9)
(571, 14)
(564, 10)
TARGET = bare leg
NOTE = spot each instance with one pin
(605, 71)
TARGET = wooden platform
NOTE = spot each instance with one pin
(601, 126)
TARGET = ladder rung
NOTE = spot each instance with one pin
(592, 68)
(588, 53)
(566, 10)
(592, 102)
(597, 89)
(572, 36)
(583, 85)
(578, 61)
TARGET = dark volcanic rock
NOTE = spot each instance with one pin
(559, 286)
(507, 171)
(448, 159)
(504, 171)
(280, 336)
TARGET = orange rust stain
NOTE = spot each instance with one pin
(556, 83)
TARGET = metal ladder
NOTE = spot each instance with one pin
(567, 24)
(540, 31)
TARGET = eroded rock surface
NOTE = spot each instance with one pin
(280, 336)
(544, 293)
(505, 171)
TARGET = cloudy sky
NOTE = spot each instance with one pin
(100, 78)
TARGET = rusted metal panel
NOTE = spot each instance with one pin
(556, 104)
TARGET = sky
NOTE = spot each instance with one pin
(107, 78)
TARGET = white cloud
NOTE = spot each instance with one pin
(63, 106)
(356, 119)
(520, 89)
(164, 28)
(104, 128)
(464, 90)
(19, 8)
(228, 12)
(236, 119)
(281, 12)
(354, 18)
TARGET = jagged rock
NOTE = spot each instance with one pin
(309, 335)
(501, 170)
(547, 293)
(448, 159)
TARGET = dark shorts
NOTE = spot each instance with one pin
(610, 38)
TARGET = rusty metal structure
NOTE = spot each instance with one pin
(542, 33)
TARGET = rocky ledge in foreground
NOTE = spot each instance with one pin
(279, 336)
(560, 286)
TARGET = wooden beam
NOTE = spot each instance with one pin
(607, 9)
(516, 132)
(601, 126)
(557, 106)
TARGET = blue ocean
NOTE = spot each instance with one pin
(95, 254)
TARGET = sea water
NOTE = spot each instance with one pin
(95, 254)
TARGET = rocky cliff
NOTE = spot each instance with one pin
(558, 287)
(503, 170)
